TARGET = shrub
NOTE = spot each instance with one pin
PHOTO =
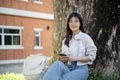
(11, 76)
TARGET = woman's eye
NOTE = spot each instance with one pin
(70, 22)
(76, 21)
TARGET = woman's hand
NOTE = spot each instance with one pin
(64, 59)
(81, 59)
(72, 58)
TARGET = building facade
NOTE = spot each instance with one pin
(26, 27)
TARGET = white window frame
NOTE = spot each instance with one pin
(38, 2)
(38, 30)
(3, 46)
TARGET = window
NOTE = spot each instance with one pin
(38, 1)
(38, 38)
(10, 37)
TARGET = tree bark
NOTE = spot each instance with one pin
(101, 21)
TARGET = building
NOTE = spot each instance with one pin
(26, 27)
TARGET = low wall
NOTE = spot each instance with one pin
(15, 66)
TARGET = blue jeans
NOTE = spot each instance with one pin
(60, 71)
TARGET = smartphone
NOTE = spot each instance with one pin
(62, 54)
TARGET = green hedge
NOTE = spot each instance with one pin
(11, 76)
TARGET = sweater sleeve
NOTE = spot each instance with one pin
(90, 49)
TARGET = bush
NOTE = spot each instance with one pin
(100, 76)
(11, 76)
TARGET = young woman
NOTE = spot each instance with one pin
(79, 50)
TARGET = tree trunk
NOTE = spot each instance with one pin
(101, 21)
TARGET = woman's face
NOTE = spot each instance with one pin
(74, 24)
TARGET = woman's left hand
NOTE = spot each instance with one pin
(72, 58)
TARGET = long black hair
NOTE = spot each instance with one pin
(69, 32)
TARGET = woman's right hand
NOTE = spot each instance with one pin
(64, 59)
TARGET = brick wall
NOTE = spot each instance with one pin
(28, 33)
